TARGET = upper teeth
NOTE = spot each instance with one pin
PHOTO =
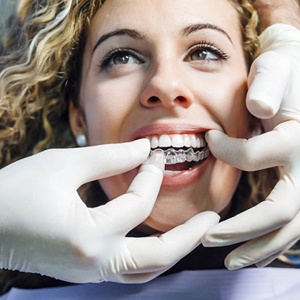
(177, 140)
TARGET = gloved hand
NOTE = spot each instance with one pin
(46, 228)
(272, 226)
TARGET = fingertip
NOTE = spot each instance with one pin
(142, 145)
(213, 135)
(205, 220)
(209, 216)
(227, 264)
(266, 86)
(261, 109)
(156, 158)
(208, 239)
(212, 217)
(231, 264)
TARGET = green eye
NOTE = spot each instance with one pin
(120, 57)
(123, 58)
(203, 55)
(206, 52)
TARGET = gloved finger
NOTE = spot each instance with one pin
(267, 82)
(132, 208)
(248, 254)
(280, 208)
(257, 152)
(159, 253)
(261, 251)
(96, 162)
(265, 262)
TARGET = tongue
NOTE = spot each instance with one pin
(179, 166)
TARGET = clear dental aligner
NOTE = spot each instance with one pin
(172, 156)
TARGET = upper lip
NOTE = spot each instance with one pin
(159, 129)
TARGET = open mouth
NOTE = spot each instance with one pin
(182, 152)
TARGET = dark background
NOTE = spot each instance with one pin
(7, 8)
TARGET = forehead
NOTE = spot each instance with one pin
(164, 16)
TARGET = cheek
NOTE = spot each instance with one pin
(236, 114)
(106, 109)
(223, 183)
(230, 107)
(114, 186)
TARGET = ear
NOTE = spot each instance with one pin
(76, 119)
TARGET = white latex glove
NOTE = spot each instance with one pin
(46, 228)
(274, 95)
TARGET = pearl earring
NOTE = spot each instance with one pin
(80, 140)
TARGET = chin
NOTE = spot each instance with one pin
(175, 207)
(165, 217)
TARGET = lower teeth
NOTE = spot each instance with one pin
(172, 156)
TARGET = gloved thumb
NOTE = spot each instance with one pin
(267, 83)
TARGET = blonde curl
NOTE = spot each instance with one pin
(34, 71)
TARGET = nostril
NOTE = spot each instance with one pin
(183, 101)
(153, 99)
(168, 101)
(180, 99)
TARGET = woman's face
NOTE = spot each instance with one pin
(168, 70)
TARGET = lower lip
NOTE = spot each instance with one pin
(187, 177)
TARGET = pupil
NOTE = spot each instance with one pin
(199, 55)
(121, 59)
(202, 54)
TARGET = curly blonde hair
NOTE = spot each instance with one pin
(40, 69)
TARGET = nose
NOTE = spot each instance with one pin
(167, 87)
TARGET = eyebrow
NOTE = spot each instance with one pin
(138, 36)
(124, 31)
(192, 28)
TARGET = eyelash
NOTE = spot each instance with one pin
(209, 47)
(105, 62)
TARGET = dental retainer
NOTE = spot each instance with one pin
(172, 156)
